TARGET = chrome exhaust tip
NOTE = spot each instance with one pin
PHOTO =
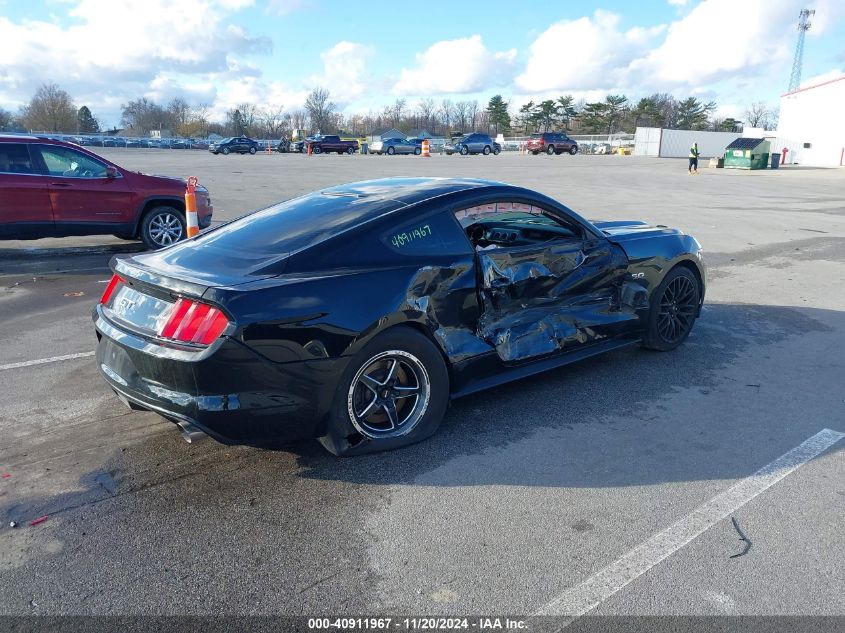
(190, 433)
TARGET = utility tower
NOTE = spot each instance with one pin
(803, 26)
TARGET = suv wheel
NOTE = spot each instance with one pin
(162, 226)
(252, 150)
(550, 150)
(486, 151)
(350, 150)
(573, 150)
(225, 151)
(464, 150)
(391, 150)
(317, 149)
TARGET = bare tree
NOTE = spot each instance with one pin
(142, 115)
(319, 108)
(472, 114)
(299, 119)
(759, 115)
(461, 113)
(446, 113)
(426, 109)
(179, 113)
(51, 110)
(273, 120)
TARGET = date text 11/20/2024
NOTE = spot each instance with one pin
(417, 624)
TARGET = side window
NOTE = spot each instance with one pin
(505, 224)
(435, 235)
(63, 161)
(15, 159)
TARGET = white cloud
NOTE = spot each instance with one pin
(344, 70)
(456, 66)
(678, 3)
(721, 39)
(584, 54)
(820, 79)
(119, 49)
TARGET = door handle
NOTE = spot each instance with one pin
(60, 184)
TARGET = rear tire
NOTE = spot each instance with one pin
(417, 151)
(391, 151)
(573, 150)
(252, 150)
(358, 424)
(674, 309)
(163, 226)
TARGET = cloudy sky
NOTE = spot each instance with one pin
(368, 53)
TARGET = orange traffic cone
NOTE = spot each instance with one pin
(426, 149)
(191, 206)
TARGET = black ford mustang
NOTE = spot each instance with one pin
(353, 314)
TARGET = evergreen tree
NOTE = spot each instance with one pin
(87, 124)
(694, 115)
(497, 109)
(566, 110)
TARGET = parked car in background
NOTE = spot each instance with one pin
(198, 144)
(551, 143)
(53, 189)
(330, 143)
(178, 143)
(475, 143)
(395, 146)
(235, 144)
(298, 146)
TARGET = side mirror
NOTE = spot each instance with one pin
(111, 172)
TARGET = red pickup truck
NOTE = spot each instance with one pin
(326, 144)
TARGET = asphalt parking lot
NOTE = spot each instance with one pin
(555, 494)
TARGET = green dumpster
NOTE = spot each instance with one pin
(747, 153)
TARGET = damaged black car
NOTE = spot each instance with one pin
(354, 314)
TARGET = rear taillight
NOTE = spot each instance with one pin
(193, 322)
(116, 280)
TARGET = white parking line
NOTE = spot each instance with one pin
(586, 596)
(42, 361)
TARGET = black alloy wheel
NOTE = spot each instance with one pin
(225, 151)
(464, 150)
(252, 150)
(674, 308)
(394, 392)
(550, 150)
(573, 150)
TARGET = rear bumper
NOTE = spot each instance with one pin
(228, 391)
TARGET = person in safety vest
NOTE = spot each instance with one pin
(693, 159)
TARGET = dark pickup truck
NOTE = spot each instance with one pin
(325, 144)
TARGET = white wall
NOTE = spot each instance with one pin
(647, 141)
(676, 143)
(814, 115)
(652, 141)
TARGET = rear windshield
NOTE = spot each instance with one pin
(292, 225)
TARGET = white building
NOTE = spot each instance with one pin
(811, 125)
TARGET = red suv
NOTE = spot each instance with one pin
(551, 143)
(53, 189)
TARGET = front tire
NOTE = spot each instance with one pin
(464, 151)
(225, 151)
(417, 151)
(350, 150)
(674, 308)
(393, 393)
(317, 150)
(487, 150)
(391, 151)
(550, 150)
(163, 226)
